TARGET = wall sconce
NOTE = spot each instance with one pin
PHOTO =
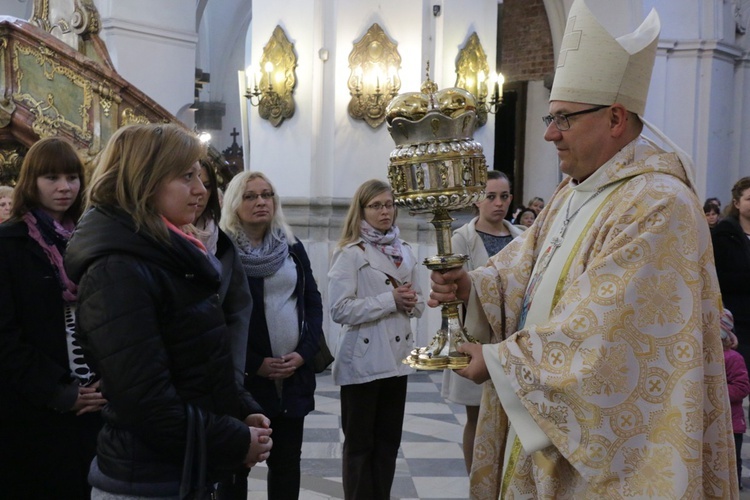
(373, 81)
(272, 88)
(473, 74)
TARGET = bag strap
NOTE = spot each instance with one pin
(194, 467)
(202, 458)
(186, 482)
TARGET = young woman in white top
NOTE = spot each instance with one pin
(485, 235)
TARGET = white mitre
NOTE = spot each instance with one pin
(595, 68)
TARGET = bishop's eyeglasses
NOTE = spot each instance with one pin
(561, 119)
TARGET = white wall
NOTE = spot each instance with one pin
(698, 95)
(16, 8)
(153, 48)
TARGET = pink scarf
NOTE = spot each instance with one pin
(179, 232)
(63, 231)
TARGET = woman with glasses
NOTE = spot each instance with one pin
(373, 293)
(286, 324)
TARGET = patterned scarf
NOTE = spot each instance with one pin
(388, 242)
(266, 259)
(53, 237)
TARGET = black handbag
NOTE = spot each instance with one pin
(193, 483)
(323, 358)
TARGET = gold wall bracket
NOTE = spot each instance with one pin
(274, 80)
(373, 80)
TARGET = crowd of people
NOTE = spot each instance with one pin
(157, 342)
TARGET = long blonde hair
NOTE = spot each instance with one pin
(230, 221)
(133, 164)
(366, 192)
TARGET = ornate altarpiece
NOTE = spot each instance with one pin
(56, 79)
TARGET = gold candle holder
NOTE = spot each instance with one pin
(435, 168)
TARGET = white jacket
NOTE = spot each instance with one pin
(376, 336)
(466, 241)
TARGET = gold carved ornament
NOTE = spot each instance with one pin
(473, 74)
(373, 79)
(36, 76)
(274, 80)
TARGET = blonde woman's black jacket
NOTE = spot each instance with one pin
(151, 323)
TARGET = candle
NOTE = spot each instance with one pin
(358, 78)
(499, 85)
(481, 92)
(269, 68)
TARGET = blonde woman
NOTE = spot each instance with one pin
(286, 323)
(6, 202)
(373, 292)
(151, 322)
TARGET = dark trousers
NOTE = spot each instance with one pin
(738, 454)
(283, 478)
(283, 463)
(372, 416)
(48, 459)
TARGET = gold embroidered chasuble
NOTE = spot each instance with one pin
(626, 375)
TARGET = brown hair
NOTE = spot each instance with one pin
(366, 192)
(492, 175)
(133, 164)
(51, 155)
(213, 206)
(739, 187)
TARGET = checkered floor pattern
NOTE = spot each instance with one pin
(430, 463)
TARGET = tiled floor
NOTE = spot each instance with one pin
(430, 463)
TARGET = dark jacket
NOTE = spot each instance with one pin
(151, 323)
(297, 395)
(45, 449)
(34, 367)
(236, 301)
(732, 257)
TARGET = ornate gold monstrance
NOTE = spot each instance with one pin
(437, 167)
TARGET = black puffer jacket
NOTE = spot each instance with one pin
(151, 324)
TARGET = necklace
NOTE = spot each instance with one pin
(546, 257)
(557, 240)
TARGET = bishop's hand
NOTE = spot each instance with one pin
(477, 370)
(449, 286)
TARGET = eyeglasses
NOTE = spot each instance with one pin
(266, 195)
(380, 206)
(561, 119)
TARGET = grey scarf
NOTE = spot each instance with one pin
(266, 259)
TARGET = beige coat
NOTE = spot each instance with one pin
(376, 336)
